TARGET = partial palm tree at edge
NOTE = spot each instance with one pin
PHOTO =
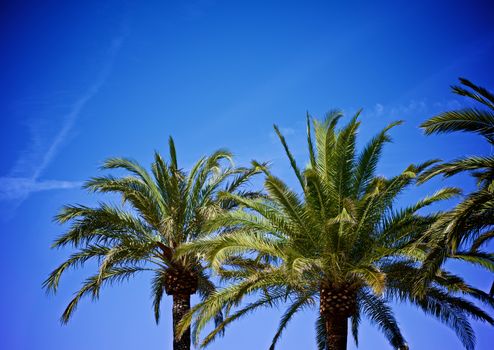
(470, 225)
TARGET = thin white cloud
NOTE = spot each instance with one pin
(15, 188)
(77, 108)
(378, 108)
(398, 109)
(412, 108)
(24, 177)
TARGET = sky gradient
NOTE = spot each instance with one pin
(84, 81)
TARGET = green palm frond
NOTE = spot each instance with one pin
(296, 305)
(93, 284)
(479, 93)
(321, 334)
(74, 261)
(382, 316)
(486, 260)
(481, 240)
(480, 121)
(466, 120)
(450, 310)
(160, 210)
(460, 232)
(340, 229)
(157, 289)
(266, 300)
(368, 158)
(355, 323)
(439, 299)
(454, 167)
(293, 163)
(227, 298)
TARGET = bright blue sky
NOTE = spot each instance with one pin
(84, 81)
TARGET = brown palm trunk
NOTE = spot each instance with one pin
(336, 331)
(181, 305)
(337, 304)
(181, 284)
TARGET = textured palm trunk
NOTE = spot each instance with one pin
(181, 305)
(337, 304)
(336, 331)
(181, 284)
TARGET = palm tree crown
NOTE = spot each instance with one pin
(161, 211)
(470, 225)
(340, 242)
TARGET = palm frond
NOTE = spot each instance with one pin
(479, 93)
(114, 275)
(293, 163)
(466, 120)
(295, 306)
(157, 289)
(381, 315)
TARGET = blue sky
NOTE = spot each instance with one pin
(83, 81)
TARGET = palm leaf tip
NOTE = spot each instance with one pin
(173, 153)
(290, 156)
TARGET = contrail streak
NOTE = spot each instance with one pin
(18, 188)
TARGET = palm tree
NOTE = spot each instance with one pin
(160, 212)
(340, 241)
(470, 225)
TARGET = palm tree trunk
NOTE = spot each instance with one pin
(337, 304)
(181, 305)
(336, 331)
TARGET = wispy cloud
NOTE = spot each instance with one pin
(15, 188)
(399, 109)
(412, 108)
(77, 108)
(25, 176)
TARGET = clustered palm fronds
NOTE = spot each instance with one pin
(465, 230)
(161, 211)
(339, 243)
